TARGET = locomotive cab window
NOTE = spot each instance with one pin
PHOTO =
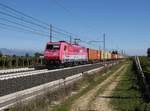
(53, 47)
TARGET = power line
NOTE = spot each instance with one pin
(9, 15)
(22, 25)
(57, 2)
(27, 21)
(24, 17)
(28, 17)
(5, 27)
(23, 14)
(3, 24)
(60, 5)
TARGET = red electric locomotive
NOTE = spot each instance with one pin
(58, 53)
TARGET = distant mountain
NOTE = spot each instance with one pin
(18, 52)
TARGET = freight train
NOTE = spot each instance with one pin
(64, 53)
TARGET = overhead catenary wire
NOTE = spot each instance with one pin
(22, 25)
(21, 13)
(33, 22)
(26, 21)
(60, 5)
(70, 13)
(21, 19)
(25, 15)
(27, 30)
(7, 25)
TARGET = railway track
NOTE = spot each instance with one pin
(14, 82)
(15, 70)
(21, 73)
(17, 82)
(26, 69)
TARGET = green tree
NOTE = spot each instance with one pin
(115, 52)
(1, 54)
(37, 57)
(148, 52)
(37, 54)
(14, 56)
(27, 58)
(26, 55)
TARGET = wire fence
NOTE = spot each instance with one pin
(142, 80)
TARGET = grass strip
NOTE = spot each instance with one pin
(104, 87)
(127, 95)
(65, 106)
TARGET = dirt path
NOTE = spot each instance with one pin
(95, 98)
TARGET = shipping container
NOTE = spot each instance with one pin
(109, 55)
(92, 55)
(105, 55)
(114, 56)
(120, 56)
(102, 55)
(99, 55)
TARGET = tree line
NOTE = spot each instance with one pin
(14, 61)
(148, 52)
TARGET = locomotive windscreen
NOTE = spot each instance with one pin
(53, 47)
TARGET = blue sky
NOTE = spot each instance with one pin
(125, 22)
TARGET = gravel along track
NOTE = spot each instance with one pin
(96, 99)
(8, 71)
(21, 74)
(16, 82)
(35, 72)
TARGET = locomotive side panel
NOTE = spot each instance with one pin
(73, 53)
